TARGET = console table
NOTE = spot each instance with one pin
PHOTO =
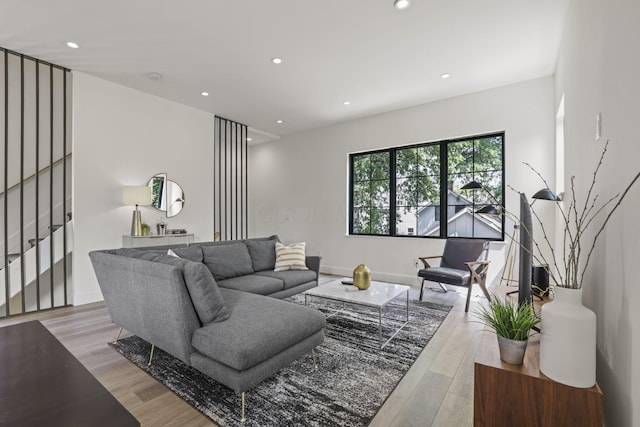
(521, 395)
(156, 240)
(43, 384)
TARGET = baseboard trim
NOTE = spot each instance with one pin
(87, 298)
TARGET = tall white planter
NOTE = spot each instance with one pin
(568, 340)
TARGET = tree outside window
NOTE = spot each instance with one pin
(403, 191)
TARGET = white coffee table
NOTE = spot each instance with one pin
(377, 296)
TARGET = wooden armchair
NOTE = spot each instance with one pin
(463, 263)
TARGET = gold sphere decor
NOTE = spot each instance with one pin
(362, 277)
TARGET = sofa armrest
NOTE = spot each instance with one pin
(313, 262)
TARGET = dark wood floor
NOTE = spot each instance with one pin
(437, 390)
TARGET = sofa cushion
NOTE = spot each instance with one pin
(446, 275)
(203, 290)
(192, 253)
(164, 258)
(290, 257)
(128, 252)
(291, 278)
(263, 254)
(254, 284)
(204, 293)
(258, 327)
(226, 261)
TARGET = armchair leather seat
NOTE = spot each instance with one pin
(448, 275)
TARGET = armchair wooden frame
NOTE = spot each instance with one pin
(477, 269)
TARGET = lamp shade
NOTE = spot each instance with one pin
(473, 185)
(546, 194)
(136, 195)
(488, 210)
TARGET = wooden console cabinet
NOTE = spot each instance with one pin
(509, 395)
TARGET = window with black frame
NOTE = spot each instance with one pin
(417, 190)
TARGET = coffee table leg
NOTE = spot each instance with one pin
(380, 328)
(407, 305)
(382, 345)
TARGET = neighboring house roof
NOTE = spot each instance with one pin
(487, 220)
(462, 200)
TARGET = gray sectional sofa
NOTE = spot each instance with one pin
(216, 306)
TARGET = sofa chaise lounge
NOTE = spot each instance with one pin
(216, 307)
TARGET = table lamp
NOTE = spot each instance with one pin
(138, 195)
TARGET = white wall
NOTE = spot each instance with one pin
(598, 72)
(298, 185)
(124, 137)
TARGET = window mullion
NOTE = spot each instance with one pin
(392, 192)
(351, 192)
(444, 189)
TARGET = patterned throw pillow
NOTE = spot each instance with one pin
(290, 257)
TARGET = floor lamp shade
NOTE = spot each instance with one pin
(136, 196)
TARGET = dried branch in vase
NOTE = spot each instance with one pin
(569, 271)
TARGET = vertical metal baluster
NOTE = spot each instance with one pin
(219, 147)
(51, 259)
(224, 198)
(37, 191)
(64, 184)
(246, 183)
(242, 138)
(7, 289)
(235, 167)
(22, 263)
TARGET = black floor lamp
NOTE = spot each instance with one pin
(522, 233)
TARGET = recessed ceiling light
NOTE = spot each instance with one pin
(276, 60)
(347, 102)
(445, 75)
(73, 45)
(401, 4)
(204, 93)
(279, 122)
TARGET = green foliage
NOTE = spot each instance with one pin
(417, 179)
(508, 320)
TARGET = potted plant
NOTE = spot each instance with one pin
(512, 324)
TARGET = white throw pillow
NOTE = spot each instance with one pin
(170, 252)
(290, 257)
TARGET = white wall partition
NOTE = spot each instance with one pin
(298, 185)
(124, 137)
(598, 73)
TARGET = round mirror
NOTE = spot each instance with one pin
(166, 195)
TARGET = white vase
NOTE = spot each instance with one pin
(568, 339)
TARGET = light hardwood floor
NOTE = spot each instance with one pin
(436, 391)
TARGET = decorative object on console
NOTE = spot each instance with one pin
(166, 195)
(176, 231)
(512, 324)
(161, 227)
(139, 195)
(568, 343)
(362, 277)
(290, 257)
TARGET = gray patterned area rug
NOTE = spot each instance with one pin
(353, 379)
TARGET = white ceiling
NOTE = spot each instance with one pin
(363, 51)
